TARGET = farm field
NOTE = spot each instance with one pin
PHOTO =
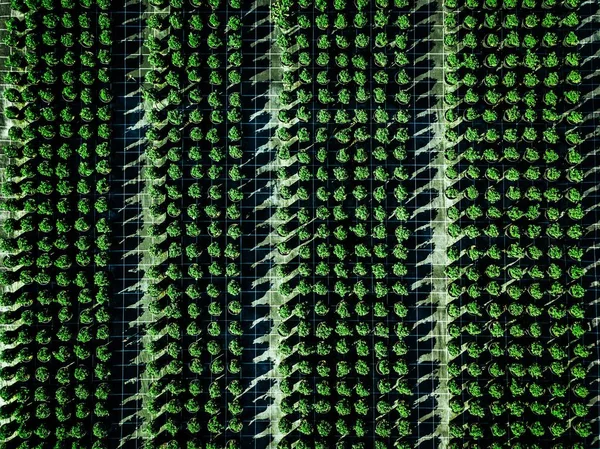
(299, 224)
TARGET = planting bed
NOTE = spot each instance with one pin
(519, 313)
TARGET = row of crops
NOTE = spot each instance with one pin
(344, 140)
(513, 155)
(56, 236)
(192, 99)
(345, 291)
